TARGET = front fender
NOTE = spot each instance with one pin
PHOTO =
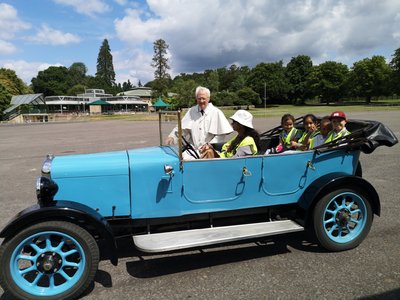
(329, 182)
(63, 210)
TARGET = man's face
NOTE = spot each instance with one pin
(338, 124)
(202, 100)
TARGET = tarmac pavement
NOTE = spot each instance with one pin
(283, 267)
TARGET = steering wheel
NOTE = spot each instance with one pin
(189, 148)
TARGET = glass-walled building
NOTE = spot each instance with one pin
(81, 103)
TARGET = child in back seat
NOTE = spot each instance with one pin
(288, 136)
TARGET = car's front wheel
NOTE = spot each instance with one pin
(49, 260)
(342, 219)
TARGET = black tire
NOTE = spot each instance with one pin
(49, 260)
(342, 219)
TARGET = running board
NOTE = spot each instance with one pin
(168, 241)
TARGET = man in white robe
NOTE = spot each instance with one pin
(203, 123)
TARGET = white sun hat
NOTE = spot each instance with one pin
(243, 117)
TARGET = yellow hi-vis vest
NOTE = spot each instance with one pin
(331, 135)
(247, 141)
(287, 138)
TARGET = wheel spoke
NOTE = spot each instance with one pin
(48, 244)
(333, 228)
(64, 275)
(36, 247)
(27, 270)
(60, 245)
(37, 278)
(68, 253)
(51, 281)
(70, 264)
(331, 211)
(350, 205)
(354, 221)
(355, 211)
(329, 221)
(340, 231)
(26, 257)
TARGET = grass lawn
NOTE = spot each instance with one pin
(269, 111)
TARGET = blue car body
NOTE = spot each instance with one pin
(135, 184)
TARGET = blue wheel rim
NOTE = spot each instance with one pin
(47, 263)
(345, 217)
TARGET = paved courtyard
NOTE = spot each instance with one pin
(287, 267)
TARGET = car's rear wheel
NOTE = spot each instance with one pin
(342, 219)
(50, 260)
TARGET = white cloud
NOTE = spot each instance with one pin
(47, 35)
(86, 7)
(6, 47)
(210, 34)
(26, 70)
(133, 65)
(10, 23)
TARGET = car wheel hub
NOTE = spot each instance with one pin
(343, 217)
(49, 262)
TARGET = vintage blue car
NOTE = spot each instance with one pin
(51, 250)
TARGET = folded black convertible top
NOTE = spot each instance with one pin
(365, 136)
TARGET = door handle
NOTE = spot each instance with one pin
(246, 172)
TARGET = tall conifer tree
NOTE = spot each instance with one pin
(105, 67)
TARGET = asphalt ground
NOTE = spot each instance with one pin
(282, 267)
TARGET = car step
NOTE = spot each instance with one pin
(168, 241)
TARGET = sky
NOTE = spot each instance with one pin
(201, 34)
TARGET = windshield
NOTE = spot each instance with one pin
(168, 127)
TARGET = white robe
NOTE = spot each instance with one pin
(201, 129)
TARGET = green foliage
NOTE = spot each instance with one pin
(298, 71)
(10, 85)
(105, 67)
(76, 89)
(248, 96)
(370, 77)
(328, 81)
(76, 73)
(184, 90)
(269, 80)
(225, 98)
(51, 82)
(160, 62)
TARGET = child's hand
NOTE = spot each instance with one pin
(279, 148)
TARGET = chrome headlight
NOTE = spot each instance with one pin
(45, 190)
(46, 167)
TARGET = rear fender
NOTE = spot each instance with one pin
(77, 213)
(330, 182)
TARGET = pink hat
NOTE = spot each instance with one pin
(338, 114)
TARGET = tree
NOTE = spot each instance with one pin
(269, 78)
(369, 77)
(51, 81)
(76, 73)
(248, 96)
(184, 90)
(328, 81)
(225, 98)
(10, 85)
(395, 66)
(105, 67)
(160, 63)
(298, 71)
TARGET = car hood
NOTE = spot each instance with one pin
(89, 165)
